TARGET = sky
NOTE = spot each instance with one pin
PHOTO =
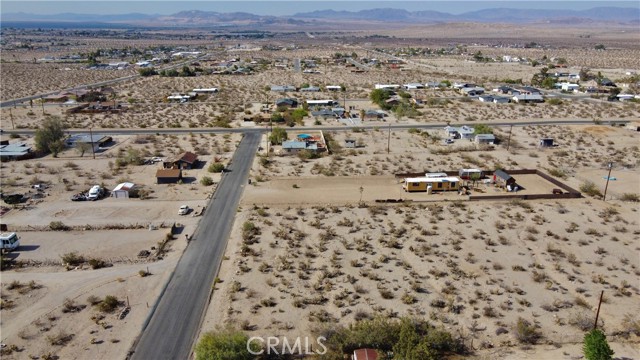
(266, 7)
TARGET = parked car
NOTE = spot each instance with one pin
(79, 197)
(449, 141)
(156, 159)
(184, 210)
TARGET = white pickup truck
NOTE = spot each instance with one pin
(9, 242)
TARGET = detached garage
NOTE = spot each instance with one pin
(168, 176)
(122, 190)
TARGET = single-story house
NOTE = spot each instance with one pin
(524, 98)
(333, 87)
(462, 132)
(287, 102)
(395, 100)
(350, 143)
(310, 89)
(295, 146)
(56, 98)
(364, 354)
(433, 84)
(529, 90)
(570, 87)
(607, 82)
(123, 190)
(386, 86)
(96, 141)
(413, 86)
(17, 151)
(168, 176)
(283, 88)
(374, 114)
(485, 139)
(501, 100)
(546, 142)
(324, 113)
(338, 111)
(186, 160)
(502, 89)
(624, 97)
(472, 91)
(503, 179)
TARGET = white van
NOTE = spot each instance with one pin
(95, 193)
(9, 242)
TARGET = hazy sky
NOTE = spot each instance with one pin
(264, 7)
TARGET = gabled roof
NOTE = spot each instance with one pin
(187, 157)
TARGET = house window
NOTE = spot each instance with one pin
(452, 185)
(439, 185)
(415, 184)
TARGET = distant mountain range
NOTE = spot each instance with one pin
(197, 17)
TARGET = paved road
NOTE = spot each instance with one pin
(174, 325)
(256, 130)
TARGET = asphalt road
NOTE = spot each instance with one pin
(174, 324)
(383, 126)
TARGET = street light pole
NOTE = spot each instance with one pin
(604, 197)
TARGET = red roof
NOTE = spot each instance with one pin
(188, 157)
(365, 354)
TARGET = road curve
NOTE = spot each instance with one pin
(174, 323)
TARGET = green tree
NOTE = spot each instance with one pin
(278, 135)
(378, 96)
(50, 136)
(147, 71)
(482, 129)
(216, 167)
(83, 148)
(134, 157)
(408, 339)
(225, 344)
(595, 346)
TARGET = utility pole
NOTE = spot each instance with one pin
(93, 149)
(42, 103)
(389, 139)
(509, 141)
(11, 117)
(595, 325)
(604, 197)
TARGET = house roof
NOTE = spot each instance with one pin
(365, 354)
(287, 101)
(486, 136)
(124, 186)
(433, 179)
(503, 175)
(87, 138)
(293, 144)
(17, 149)
(168, 173)
(187, 157)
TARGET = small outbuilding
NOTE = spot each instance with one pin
(546, 142)
(485, 139)
(350, 143)
(503, 179)
(168, 176)
(123, 190)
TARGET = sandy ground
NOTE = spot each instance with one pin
(32, 314)
(471, 267)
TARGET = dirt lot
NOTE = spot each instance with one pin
(44, 302)
(472, 267)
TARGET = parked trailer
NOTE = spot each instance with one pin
(428, 184)
(465, 174)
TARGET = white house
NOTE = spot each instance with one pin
(485, 139)
(387, 86)
(333, 87)
(462, 132)
(570, 87)
(413, 86)
(205, 90)
(527, 98)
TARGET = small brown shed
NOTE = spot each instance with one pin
(168, 176)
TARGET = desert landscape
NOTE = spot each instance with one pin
(326, 238)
